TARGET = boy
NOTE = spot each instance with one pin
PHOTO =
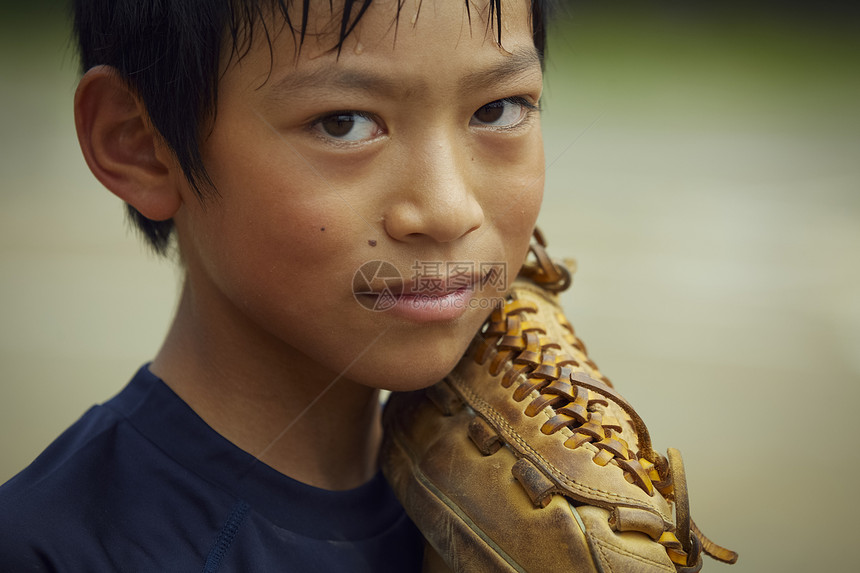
(283, 146)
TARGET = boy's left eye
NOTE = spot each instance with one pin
(508, 112)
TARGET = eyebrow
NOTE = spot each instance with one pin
(518, 63)
(306, 82)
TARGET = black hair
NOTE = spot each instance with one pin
(170, 51)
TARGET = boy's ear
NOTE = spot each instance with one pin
(122, 148)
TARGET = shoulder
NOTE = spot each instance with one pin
(97, 466)
(141, 484)
(97, 498)
(44, 504)
(67, 465)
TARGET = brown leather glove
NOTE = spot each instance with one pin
(525, 458)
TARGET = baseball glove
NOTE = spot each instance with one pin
(525, 458)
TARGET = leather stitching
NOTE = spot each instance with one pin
(484, 407)
(604, 562)
(601, 543)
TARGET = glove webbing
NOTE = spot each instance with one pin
(532, 362)
(536, 363)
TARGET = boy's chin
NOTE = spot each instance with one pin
(414, 375)
(416, 383)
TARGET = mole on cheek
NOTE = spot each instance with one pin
(322, 228)
(371, 242)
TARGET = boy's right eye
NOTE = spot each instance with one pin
(347, 126)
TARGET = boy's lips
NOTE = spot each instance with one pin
(425, 300)
(425, 306)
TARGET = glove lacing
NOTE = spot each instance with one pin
(518, 346)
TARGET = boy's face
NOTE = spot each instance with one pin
(389, 152)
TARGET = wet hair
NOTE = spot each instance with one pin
(169, 52)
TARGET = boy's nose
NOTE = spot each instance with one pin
(437, 198)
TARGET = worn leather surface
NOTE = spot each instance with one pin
(469, 506)
(572, 470)
(475, 514)
(499, 478)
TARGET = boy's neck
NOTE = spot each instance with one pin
(297, 417)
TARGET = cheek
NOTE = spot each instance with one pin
(274, 210)
(274, 245)
(515, 168)
(532, 191)
(278, 248)
(515, 199)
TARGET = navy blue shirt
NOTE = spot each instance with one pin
(141, 483)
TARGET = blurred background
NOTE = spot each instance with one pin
(704, 170)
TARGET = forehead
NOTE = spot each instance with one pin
(391, 45)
